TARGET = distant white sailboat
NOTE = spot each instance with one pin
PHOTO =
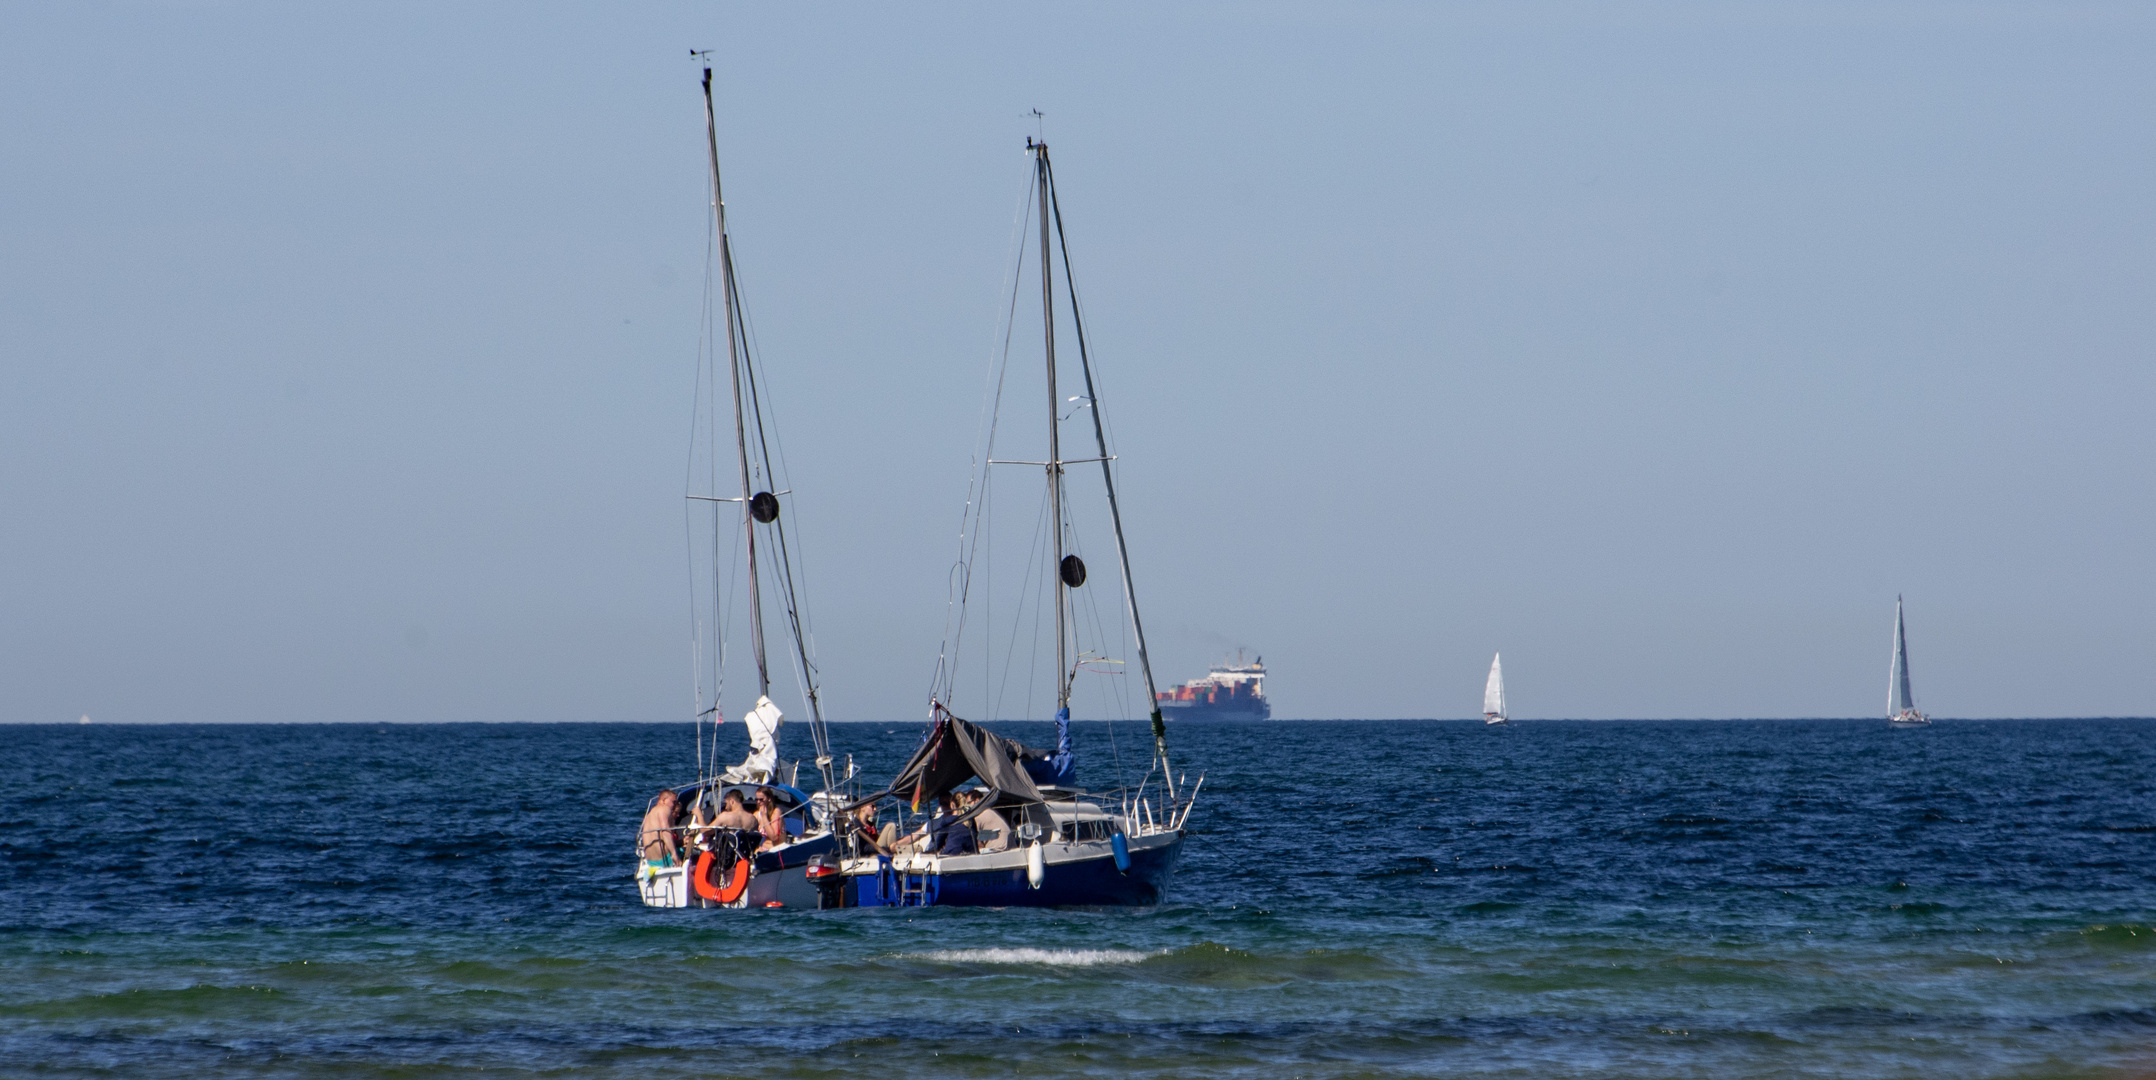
(1493, 694)
(1901, 704)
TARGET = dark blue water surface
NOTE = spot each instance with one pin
(1654, 899)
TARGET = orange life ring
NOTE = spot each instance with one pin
(733, 889)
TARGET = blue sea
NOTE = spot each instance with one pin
(1380, 899)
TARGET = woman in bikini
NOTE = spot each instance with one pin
(770, 819)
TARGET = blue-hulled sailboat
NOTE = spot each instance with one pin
(1018, 828)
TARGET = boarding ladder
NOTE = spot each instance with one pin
(904, 886)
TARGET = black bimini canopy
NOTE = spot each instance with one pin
(958, 751)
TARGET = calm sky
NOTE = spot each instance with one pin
(347, 353)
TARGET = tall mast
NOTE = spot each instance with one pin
(733, 358)
(1055, 455)
(1107, 476)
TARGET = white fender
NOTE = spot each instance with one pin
(1036, 865)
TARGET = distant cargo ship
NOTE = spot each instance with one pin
(1230, 691)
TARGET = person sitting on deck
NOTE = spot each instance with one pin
(770, 819)
(957, 835)
(928, 839)
(991, 832)
(661, 846)
(870, 840)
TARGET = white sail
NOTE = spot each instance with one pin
(1493, 694)
(1901, 701)
(1899, 698)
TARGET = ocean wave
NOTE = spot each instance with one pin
(1019, 957)
(2133, 937)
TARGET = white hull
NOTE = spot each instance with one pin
(665, 888)
(671, 886)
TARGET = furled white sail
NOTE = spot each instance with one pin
(762, 765)
(1493, 695)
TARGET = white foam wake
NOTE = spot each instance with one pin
(1054, 957)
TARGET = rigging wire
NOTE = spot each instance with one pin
(726, 618)
(754, 467)
(688, 513)
(999, 368)
(796, 581)
(1085, 362)
(973, 517)
(1116, 702)
(1033, 562)
(797, 658)
(975, 544)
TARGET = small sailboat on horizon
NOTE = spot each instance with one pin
(1493, 693)
(1901, 703)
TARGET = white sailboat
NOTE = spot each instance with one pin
(1901, 704)
(1493, 693)
(686, 860)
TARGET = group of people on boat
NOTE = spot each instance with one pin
(955, 829)
(665, 835)
(672, 827)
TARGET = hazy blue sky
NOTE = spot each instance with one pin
(346, 353)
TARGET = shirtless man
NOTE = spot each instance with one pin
(733, 814)
(661, 846)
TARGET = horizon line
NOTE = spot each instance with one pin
(1179, 723)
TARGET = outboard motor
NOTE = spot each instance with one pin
(823, 872)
